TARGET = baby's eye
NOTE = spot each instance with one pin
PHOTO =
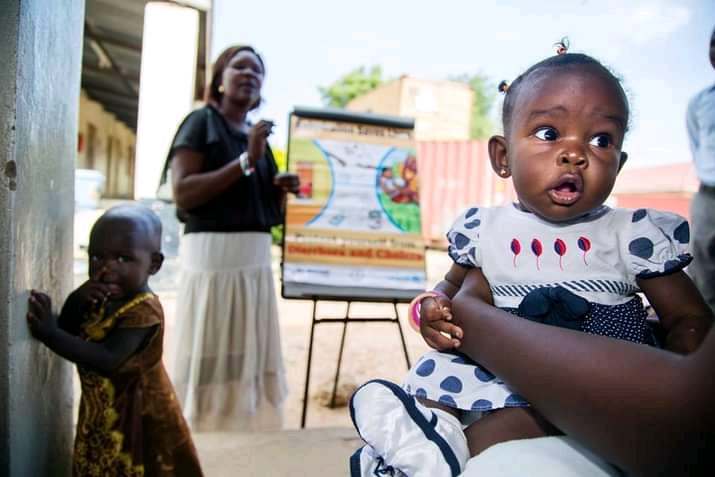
(601, 140)
(546, 134)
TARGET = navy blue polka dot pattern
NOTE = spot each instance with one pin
(639, 215)
(460, 240)
(451, 384)
(471, 212)
(682, 233)
(626, 321)
(515, 400)
(473, 224)
(421, 393)
(482, 374)
(641, 247)
(447, 400)
(482, 405)
(426, 368)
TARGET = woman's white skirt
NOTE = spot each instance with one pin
(227, 361)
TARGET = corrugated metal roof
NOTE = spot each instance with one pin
(111, 57)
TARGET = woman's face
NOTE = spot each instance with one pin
(242, 78)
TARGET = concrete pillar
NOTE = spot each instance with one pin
(166, 92)
(40, 50)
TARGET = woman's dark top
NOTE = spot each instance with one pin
(252, 203)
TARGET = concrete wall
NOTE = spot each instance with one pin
(40, 50)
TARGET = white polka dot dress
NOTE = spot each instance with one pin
(598, 258)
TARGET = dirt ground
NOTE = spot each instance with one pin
(371, 349)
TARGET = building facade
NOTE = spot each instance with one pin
(442, 109)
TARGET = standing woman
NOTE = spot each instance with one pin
(228, 366)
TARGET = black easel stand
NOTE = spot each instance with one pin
(344, 320)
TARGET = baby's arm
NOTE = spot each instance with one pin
(682, 312)
(104, 357)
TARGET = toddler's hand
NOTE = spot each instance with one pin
(436, 326)
(92, 293)
(39, 315)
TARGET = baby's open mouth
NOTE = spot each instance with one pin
(567, 191)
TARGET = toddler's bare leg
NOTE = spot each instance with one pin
(506, 425)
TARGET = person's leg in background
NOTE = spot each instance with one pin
(702, 220)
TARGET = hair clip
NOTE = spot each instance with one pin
(503, 86)
(562, 46)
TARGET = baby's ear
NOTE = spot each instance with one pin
(157, 259)
(622, 161)
(498, 156)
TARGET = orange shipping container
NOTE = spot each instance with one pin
(453, 176)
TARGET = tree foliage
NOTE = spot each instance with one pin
(355, 83)
(362, 80)
(484, 96)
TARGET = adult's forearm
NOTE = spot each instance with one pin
(197, 189)
(644, 409)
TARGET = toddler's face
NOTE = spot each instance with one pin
(564, 145)
(120, 258)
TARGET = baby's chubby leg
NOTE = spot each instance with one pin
(506, 424)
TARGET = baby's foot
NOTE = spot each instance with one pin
(365, 463)
(419, 441)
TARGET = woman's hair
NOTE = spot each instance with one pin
(561, 60)
(212, 93)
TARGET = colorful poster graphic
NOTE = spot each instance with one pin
(354, 229)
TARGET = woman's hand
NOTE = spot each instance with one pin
(287, 181)
(257, 139)
(436, 324)
(39, 315)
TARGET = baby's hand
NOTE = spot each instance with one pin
(436, 326)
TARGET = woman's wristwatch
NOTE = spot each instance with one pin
(246, 167)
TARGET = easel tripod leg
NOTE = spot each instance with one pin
(340, 357)
(307, 370)
(402, 336)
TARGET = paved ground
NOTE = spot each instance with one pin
(371, 350)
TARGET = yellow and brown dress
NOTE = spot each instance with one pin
(130, 423)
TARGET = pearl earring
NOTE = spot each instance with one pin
(503, 171)
(221, 89)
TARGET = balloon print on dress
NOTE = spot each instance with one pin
(560, 249)
(585, 245)
(515, 249)
(538, 249)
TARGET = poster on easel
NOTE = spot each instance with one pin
(353, 231)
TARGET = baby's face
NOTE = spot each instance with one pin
(564, 144)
